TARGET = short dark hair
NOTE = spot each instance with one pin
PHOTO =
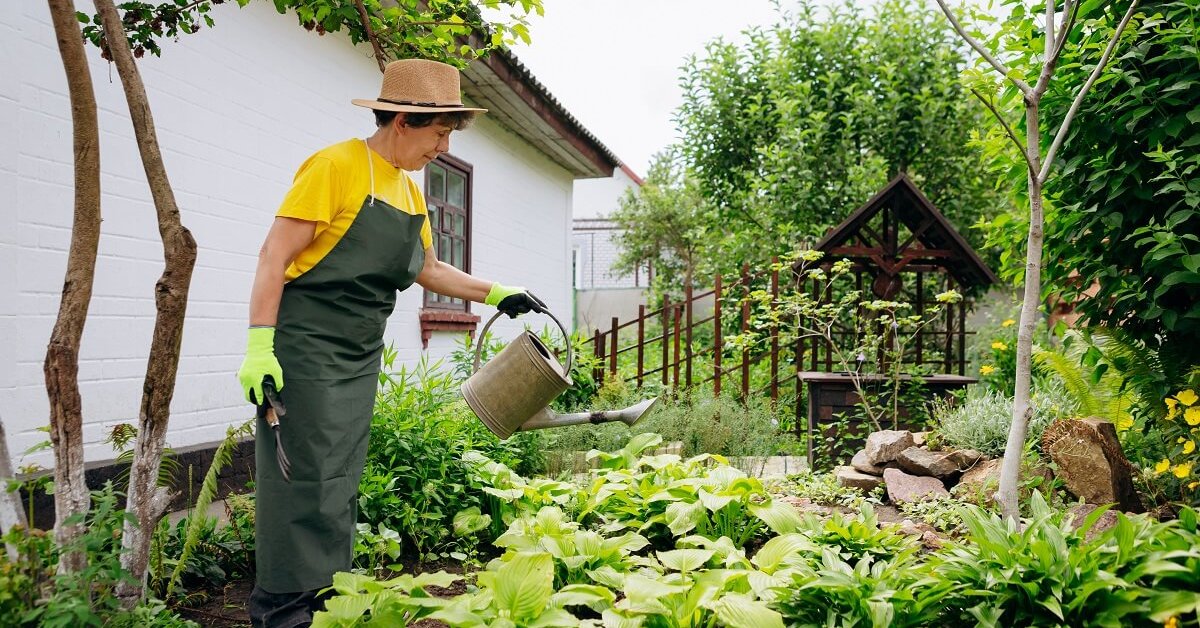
(457, 120)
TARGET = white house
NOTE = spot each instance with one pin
(238, 107)
(600, 291)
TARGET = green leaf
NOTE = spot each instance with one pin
(738, 611)
(523, 584)
(685, 559)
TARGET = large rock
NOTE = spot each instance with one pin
(980, 483)
(883, 447)
(849, 477)
(863, 465)
(939, 464)
(1090, 462)
(1079, 512)
(903, 488)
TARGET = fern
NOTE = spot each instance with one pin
(1070, 373)
(208, 490)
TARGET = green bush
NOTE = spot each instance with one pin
(34, 595)
(415, 480)
(982, 420)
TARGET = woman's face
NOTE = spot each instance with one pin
(417, 146)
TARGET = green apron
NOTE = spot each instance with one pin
(329, 340)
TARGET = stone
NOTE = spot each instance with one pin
(863, 465)
(884, 446)
(939, 464)
(980, 483)
(919, 438)
(1090, 462)
(903, 488)
(851, 478)
(1079, 512)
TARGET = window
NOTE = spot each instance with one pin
(448, 195)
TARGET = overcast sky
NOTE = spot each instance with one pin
(614, 64)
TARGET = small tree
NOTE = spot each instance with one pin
(663, 224)
(1039, 48)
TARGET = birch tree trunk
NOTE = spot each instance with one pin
(146, 500)
(62, 355)
(1057, 33)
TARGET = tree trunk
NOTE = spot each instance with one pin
(146, 501)
(11, 512)
(62, 355)
(1010, 469)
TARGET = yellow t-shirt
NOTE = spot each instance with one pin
(330, 188)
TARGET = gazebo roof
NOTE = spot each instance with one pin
(932, 240)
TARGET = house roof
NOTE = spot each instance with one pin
(933, 240)
(519, 102)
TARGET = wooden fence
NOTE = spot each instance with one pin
(660, 344)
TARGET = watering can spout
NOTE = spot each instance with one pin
(546, 417)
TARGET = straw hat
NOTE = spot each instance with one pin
(418, 86)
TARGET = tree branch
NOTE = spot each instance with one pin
(996, 64)
(366, 22)
(1007, 129)
(1066, 123)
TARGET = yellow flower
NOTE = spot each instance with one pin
(1182, 470)
(987, 369)
(1187, 397)
(999, 346)
(1008, 322)
(1172, 408)
(1162, 466)
(1192, 415)
(1124, 423)
(1189, 447)
(1193, 485)
(1171, 623)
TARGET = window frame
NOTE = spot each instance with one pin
(450, 164)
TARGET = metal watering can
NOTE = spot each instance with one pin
(513, 391)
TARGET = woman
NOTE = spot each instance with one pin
(350, 234)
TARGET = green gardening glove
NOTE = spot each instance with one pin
(260, 363)
(513, 301)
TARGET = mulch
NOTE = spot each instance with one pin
(226, 607)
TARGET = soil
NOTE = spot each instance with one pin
(226, 607)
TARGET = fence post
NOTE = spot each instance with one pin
(612, 358)
(598, 353)
(688, 354)
(774, 329)
(666, 333)
(745, 328)
(641, 343)
(678, 316)
(717, 349)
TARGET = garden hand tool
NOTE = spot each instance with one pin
(512, 392)
(271, 410)
(260, 362)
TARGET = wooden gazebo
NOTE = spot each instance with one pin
(903, 249)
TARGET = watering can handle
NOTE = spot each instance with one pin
(563, 329)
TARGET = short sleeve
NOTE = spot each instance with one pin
(426, 233)
(315, 193)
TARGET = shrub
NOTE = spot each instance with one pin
(981, 422)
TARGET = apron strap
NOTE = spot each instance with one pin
(371, 169)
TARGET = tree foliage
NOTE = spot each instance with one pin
(436, 29)
(1125, 225)
(662, 223)
(786, 135)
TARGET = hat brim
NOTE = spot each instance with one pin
(387, 106)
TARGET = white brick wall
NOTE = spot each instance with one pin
(237, 108)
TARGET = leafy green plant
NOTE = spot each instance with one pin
(942, 513)
(981, 421)
(823, 489)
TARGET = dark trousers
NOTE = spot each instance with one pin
(284, 610)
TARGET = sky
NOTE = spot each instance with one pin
(614, 64)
